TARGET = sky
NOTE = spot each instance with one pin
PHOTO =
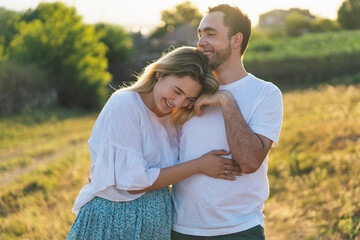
(146, 14)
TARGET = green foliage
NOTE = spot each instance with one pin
(2, 57)
(23, 86)
(9, 21)
(118, 41)
(324, 25)
(297, 24)
(69, 51)
(349, 14)
(309, 58)
(256, 34)
(182, 13)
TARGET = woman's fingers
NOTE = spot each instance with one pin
(227, 177)
(234, 173)
(220, 152)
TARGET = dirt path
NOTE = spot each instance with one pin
(10, 175)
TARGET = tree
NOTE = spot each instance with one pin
(349, 14)
(297, 24)
(118, 41)
(9, 21)
(120, 51)
(182, 13)
(55, 39)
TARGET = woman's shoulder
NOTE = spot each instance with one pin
(123, 96)
(123, 99)
(121, 103)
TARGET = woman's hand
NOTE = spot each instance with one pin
(214, 165)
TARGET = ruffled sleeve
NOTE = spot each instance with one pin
(120, 159)
(122, 168)
(118, 162)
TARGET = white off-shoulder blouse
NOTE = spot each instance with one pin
(128, 146)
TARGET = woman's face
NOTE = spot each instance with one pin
(174, 92)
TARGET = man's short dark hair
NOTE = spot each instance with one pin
(236, 21)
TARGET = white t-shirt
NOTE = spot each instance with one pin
(207, 206)
(128, 146)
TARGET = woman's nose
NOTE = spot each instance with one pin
(181, 101)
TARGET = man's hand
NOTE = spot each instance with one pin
(211, 100)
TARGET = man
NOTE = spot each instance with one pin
(245, 116)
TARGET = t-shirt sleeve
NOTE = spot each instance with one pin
(120, 161)
(267, 118)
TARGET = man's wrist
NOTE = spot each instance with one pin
(226, 97)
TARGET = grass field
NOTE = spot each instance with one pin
(314, 172)
(44, 162)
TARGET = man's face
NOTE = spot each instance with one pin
(213, 39)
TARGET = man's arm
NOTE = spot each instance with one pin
(247, 148)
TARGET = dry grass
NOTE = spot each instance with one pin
(314, 172)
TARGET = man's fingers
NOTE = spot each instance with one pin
(197, 108)
(201, 101)
(191, 105)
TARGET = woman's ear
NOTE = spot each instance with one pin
(157, 75)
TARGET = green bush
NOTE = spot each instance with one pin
(297, 24)
(9, 21)
(324, 25)
(56, 40)
(23, 86)
(310, 58)
(2, 57)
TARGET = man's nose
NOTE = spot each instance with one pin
(201, 42)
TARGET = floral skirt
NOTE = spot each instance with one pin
(147, 217)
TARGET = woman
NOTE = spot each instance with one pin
(134, 148)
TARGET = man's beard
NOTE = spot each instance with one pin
(220, 57)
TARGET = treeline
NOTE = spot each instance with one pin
(48, 55)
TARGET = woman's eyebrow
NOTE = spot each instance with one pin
(180, 90)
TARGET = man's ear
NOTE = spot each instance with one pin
(237, 40)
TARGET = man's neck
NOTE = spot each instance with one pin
(229, 73)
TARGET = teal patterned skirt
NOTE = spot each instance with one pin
(147, 217)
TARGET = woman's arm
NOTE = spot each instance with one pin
(210, 164)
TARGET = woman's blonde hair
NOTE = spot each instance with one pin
(180, 62)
